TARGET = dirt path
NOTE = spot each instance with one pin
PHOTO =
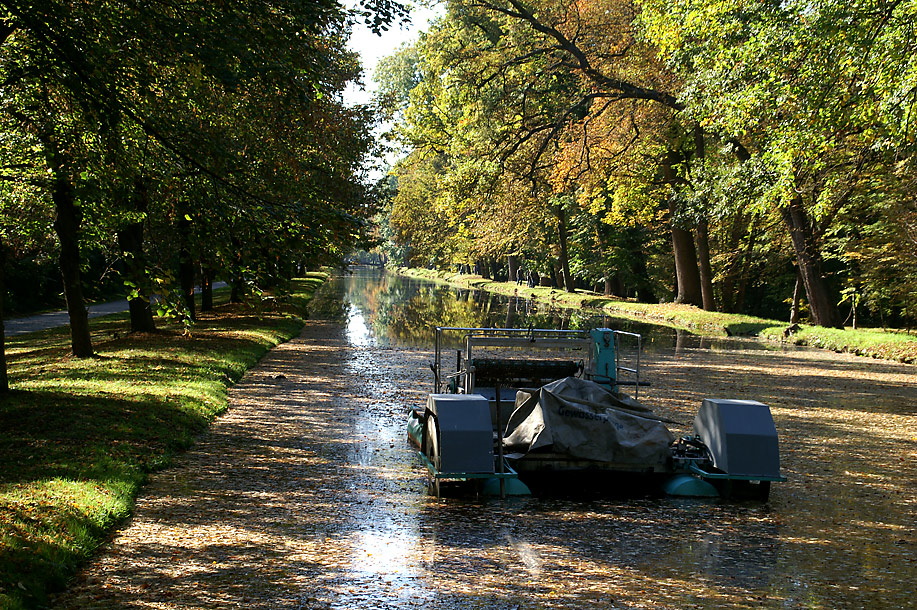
(305, 495)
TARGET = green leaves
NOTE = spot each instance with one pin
(236, 108)
(798, 104)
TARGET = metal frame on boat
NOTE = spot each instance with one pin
(599, 350)
(461, 431)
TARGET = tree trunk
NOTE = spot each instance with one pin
(66, 226)
(687, 276)
(564, 256)
(512, 266)
(822, 308)
(130, 241)
(484, 267)
(797, 296)
(701, 233)
(680, 341)
(686, 273)
(237, 286)
(611, 277)
(704, 267)
(4, 380)
(808, 257)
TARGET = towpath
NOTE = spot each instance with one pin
(55, 319)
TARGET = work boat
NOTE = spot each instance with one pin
(525, 406)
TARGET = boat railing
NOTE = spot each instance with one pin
(473, 340)
(630, 367)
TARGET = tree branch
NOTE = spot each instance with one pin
(582, 63)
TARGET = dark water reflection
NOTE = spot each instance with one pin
(586, 551)
(395, 311)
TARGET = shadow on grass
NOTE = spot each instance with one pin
(746, 329)
(49, 435)
(70, 467)
(78, 437)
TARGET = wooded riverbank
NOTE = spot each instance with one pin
(876, 343)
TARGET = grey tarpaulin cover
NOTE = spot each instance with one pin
(547, 419)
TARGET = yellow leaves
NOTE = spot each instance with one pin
(621, 202)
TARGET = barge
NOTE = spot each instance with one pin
(525, 406)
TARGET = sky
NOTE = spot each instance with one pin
(372, 48)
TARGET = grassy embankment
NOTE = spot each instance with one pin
(875, 343)
(78, 437)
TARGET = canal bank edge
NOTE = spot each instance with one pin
(897, 346)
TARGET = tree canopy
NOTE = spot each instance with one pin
(713, 153)
(178, 143)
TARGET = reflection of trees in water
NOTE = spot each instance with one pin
(328, 301)
(407, 311)
(414, 319)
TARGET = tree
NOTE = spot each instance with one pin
(552, 95)
(729, 117)
(25, 215)
(810, 91)
(236, 111)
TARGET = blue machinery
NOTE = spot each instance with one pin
(459, 432)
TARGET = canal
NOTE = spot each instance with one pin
(840, 533)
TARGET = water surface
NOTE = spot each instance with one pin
(822, 541)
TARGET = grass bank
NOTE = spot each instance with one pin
(875, 343)
(78, 437)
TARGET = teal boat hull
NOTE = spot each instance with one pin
(686, 486)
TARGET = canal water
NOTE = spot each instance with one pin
(394, 311)
(815, 544)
